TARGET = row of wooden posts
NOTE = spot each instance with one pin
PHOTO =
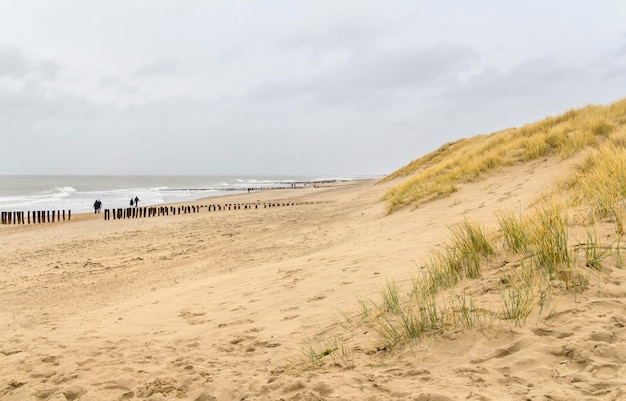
(153, 211)
(147, 211)
(51, 216)
(35, 217)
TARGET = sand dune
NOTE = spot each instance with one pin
(216, 305)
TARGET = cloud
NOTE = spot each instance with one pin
(15, 64)
(613, 64)
(164, 66)
(366, 76)
(528, 78)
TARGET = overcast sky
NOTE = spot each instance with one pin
(335, 87)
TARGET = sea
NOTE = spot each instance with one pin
(79, 192)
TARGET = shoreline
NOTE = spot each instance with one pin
(79, 193)
(23, 217)
(200, 202)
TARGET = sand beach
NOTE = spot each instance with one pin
(218, 306)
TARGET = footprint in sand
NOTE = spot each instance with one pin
(193, 318)
(542, 332)
(501, 353)
(316, 298)
(606, 371)
(605, 337)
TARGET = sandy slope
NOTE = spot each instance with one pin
(216, 305)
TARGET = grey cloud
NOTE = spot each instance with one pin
(614, 64)
(621, 47)
(165, 66)
(118, 85)
(15, 64)
(528, 78)
(364, 77)
(347, 34)
(34, 112)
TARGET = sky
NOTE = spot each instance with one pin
(212, 87)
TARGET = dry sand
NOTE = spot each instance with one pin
(216, 305)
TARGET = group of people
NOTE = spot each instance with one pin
(97, 205)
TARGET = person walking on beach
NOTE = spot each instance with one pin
(131, 202)
(95, 207)
(136, 201)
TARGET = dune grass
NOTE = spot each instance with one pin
(324, 348)
(541, 261)
(439, 173)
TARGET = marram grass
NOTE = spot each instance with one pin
(545, 260)
(439, 173)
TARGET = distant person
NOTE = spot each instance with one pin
(95, 207)
(131, 202)
(136, 201)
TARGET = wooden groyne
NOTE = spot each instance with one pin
(254, 205)
(155, 211)
(148, 211)
(52, 216)
(35, 217)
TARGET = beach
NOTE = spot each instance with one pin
(220, 305)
